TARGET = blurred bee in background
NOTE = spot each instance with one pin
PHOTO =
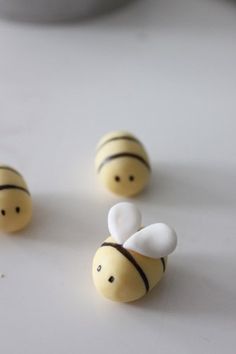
(133, 259)
(122, 163)
(15, 200)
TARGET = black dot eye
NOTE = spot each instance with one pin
(111, 279)
(99, 268)
(3, 212)
(117, 178)
(17, 210)
(131, 178)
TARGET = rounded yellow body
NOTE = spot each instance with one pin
(122, 163)
(15, 201)
(117, 278)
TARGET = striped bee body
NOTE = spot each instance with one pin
(15, 200)
(123, 275)
(122, 163)
(133, 259)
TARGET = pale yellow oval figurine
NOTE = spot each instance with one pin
(122, 163)
(133, 259)
(15, 200)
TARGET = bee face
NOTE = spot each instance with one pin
(125, 176)
(115, 277)
(15, 200)
(122, 163)
(15, 210)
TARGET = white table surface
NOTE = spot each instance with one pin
(164, 70)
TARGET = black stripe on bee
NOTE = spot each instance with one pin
(163, 264)
(13, 186)
(10, 169)
(129, 256)
(122, 137)
(123, 154)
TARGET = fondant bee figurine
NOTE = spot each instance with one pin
(133, 259)
(122, 163)
(15, 200)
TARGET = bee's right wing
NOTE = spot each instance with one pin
(124, 219)
(154, 241)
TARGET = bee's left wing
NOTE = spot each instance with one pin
(154, 241)
(124, 219)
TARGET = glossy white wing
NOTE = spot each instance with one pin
(155, 241)
(124, 219)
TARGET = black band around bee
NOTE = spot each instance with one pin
(8, 168)
(129, 256)
(123, 137)
(13, 186)
(123, 154)
(163, 264)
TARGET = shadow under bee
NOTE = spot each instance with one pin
(184, 185)
(191, 288)
(66, 218)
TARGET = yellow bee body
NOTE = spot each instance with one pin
(130, 262)
(122, 163)
(128, 283)
(15, 200)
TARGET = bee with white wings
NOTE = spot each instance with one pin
(133, 259)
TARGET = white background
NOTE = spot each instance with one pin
(164, 70)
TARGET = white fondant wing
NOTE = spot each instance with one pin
(154, 241)
(124, 219)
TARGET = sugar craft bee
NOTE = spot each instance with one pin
(122, 163)
(15, 200)
(133, 259)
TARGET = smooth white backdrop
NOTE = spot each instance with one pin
(165, 70)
